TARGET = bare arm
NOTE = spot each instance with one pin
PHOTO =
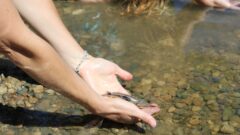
(37, 58)
(43, 16)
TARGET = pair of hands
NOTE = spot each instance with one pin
(101, 76)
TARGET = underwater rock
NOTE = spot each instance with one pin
(214, 127)
(38, 89)
(3, 90)
(180, 105)
(77, 12)
(50, 92)
(238, 112)
(227, 129)
(32, 100)
(196, 108)
(213, 105)
(195, 120)
(171, 109)
(11, 91)
(161, 83)
(227, 113)
(179, 131)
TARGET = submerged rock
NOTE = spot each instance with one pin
(171, 109)
(227, 113)
(3, 90)
(227, 129)
(38, 89)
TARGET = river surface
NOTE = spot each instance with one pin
(185, 58)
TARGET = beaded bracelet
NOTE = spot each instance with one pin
(84, 57)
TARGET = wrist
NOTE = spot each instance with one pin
(82, 62)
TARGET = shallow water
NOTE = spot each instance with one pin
(187, 60)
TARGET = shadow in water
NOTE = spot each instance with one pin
(25, 117)
(34, 118)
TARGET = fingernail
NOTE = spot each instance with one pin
(154, 123)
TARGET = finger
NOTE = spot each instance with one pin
(146, 118)
(143, 116)
(222, 3)
(235, 7)
(123, 74)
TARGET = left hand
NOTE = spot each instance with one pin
(101, 75)
(231, 4)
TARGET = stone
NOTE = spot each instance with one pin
(236, 94)
(161, 83)
(178, 131)
(38, 89)
(216, 74)
(171, 109)
(22, 90)
(227, 113)
(11, 91)
(227, 129)
(209, 97)
(20, 103)
(196, 108)
(77, 12)
(10, 132)
(214, 127)
(37, 133)
(180, 105)
(67, 10)
(195, 120)
(212, 105)
(197, 100)
(32, 100)
(27, 104)
(238, 112)
(182, 84)
(50, 92)
(238, 34)
(3, 90)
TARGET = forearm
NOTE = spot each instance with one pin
(45, 66)
(43, 16)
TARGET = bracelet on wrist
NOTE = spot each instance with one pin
(84, 58)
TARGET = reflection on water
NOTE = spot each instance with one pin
(187, 60)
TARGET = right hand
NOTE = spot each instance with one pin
(122, 111)
(231, 4)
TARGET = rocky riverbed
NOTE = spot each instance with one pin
(195, 82)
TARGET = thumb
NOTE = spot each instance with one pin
(123, 74)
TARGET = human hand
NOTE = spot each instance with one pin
(101, 75)
(231, 4)
(122, 111)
